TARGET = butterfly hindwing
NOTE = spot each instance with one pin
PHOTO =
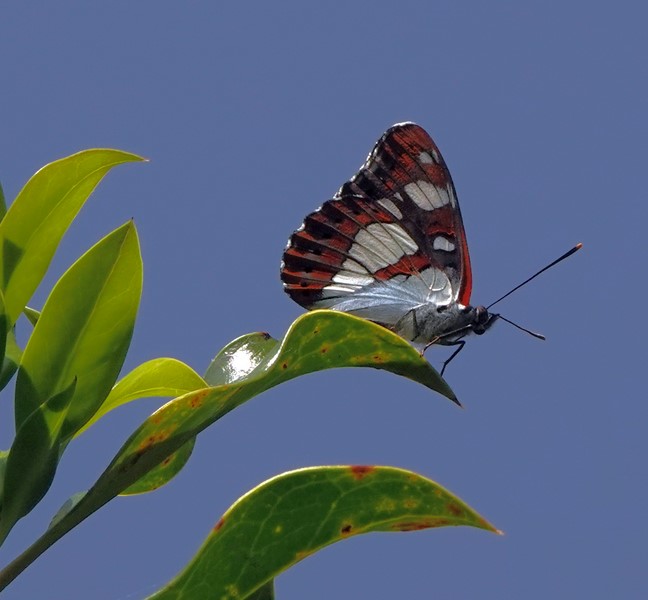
(391, 239)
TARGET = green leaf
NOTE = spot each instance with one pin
(33, 458)
(84, 330)
(39, 216)
(317, 340)
(160, 377)
(293, 515)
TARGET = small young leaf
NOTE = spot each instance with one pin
(293, 515)
(160, 377)
(39, 216)
(84, 330)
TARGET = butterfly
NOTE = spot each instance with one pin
(390, 247)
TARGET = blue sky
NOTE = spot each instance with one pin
(254, 113)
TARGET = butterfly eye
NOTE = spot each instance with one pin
(481, 316)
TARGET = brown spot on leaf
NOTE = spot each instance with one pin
(316, 331)
(220, 523)
(454, 509)
(324, 349)
(418, 525)
(167, 460)
(360, 471)
(196, 400)
(265, 335)
(153, 439)
(284, 365)
(146, 444)
(379, 358)
(346, 529)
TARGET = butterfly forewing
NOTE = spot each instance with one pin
(390, 240)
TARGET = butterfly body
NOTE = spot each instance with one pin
(390, 246)
(426, 324)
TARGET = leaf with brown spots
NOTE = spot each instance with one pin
(293, 515)
(254, 363)
(245, 368)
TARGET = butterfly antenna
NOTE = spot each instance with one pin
(517, 287)
(533, 333)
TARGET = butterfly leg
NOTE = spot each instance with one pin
(430, 343)
(460, 344)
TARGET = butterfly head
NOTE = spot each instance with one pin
(468, 319)
(482, 319)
